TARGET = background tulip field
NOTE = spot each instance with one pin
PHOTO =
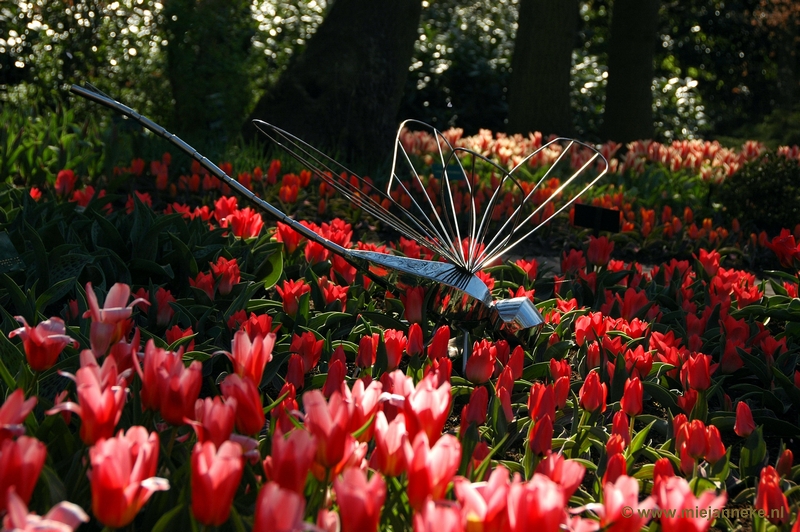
(170, 360)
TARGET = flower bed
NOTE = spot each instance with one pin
(172, 360)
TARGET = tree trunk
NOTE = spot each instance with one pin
(629, 98)
(343, 92)
(539, 94)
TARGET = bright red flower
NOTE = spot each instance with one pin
(175, 333)
(541, 401)
(244, 223)
(537, 504)
(365, 399)
(290, 292)
(21, 462)
(167, 385)
(484, 504)
(622, 511)
(295, 371)
(395, 342)
(65, 184)
(291, 239)
(531, 268)
(337, 370)
(709, 260)
(441, 517)
(415, 341)
(205, 282)
(540, 438)
(745, 424)
(216, 474)
(249, 408)
(393, 451)
(785, 248)
(784, 464)
(438, 347)
(164, 311)
(631, 402)
(589, 327)
(716, 449)
(616, 466)
(600, 250)
(692, 437)
(213, 419)
(224, 207)
(42, 343)
(367, 350)
(332, 292)
(35, 193)
(278, 510)
(696, 372)
(360, 500)
(122, 477)
(227, 274)
(308, 347)
(621, 427)
(413, 299)
(480, 364)
(431, 468)
(770, 497)
(593, 393)
(110, 323)
(573, 261)
(475, 410)
(566, 473)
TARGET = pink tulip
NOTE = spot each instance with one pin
(622, 511)
(484, 504)
(674, 495)
(566, 473)
(249, 408)
(537, 504)
(427, 407)
(101, 397)
(63, 517)
(21, 461)
(109, 323)
(13, 412)
(291, 459)
(180, 387)
(431, 468)
(435, 517)
(213, 419)
(278, 510)
(393, 451)
(216, 473)
(250, 357)
(328, 422)
(366, 401)
(122, 476)
(360, 500)
(42, 343)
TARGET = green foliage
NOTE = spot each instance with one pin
(765, 192)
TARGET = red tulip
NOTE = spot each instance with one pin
(216, 473)
(621, 427)
(175, 333)
(530, 268)
(745, 424)
(413, 299)
(589, 327)
(360, 500)
(438, 347)
(480, 364)
(101, 397)
(244, 223)
(784, 464)
(770, 497)
(431, 468)
(662, 470)
(393, 451)
(541, 401)
(427, 407)
(63, 517)
(21, 461)
(367, 350)
(122, 477)
(540, 438)
(696, 372)
(600, 250)
(592, 394)
(366, 401)
(328, 422)
(435, 517)
(290, 292)
(475, 411)
(716, 449)
(278, 510)
(484, 504)
(710, 261)
(675, 495)
(537, 504)
(692, 436)
(290, 238)
(109, 323)
(249, 409)
(180, 387)
(295, 371)
(213, 419)
(13, 412)
(616, 466)
(631, 402)
(415, 342)
(307, 346)
(291, 459)
(250, 356)
(395, 342)
(205, 282)
(227, 274)
(164, 311)
(335, 377)
(42, 343)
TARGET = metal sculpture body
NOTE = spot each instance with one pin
(465, 234)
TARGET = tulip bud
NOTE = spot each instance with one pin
(745, 424)
(631, 401)
(593, 393)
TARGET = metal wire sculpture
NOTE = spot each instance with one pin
(466, 229)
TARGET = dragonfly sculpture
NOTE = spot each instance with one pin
(453, 216)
